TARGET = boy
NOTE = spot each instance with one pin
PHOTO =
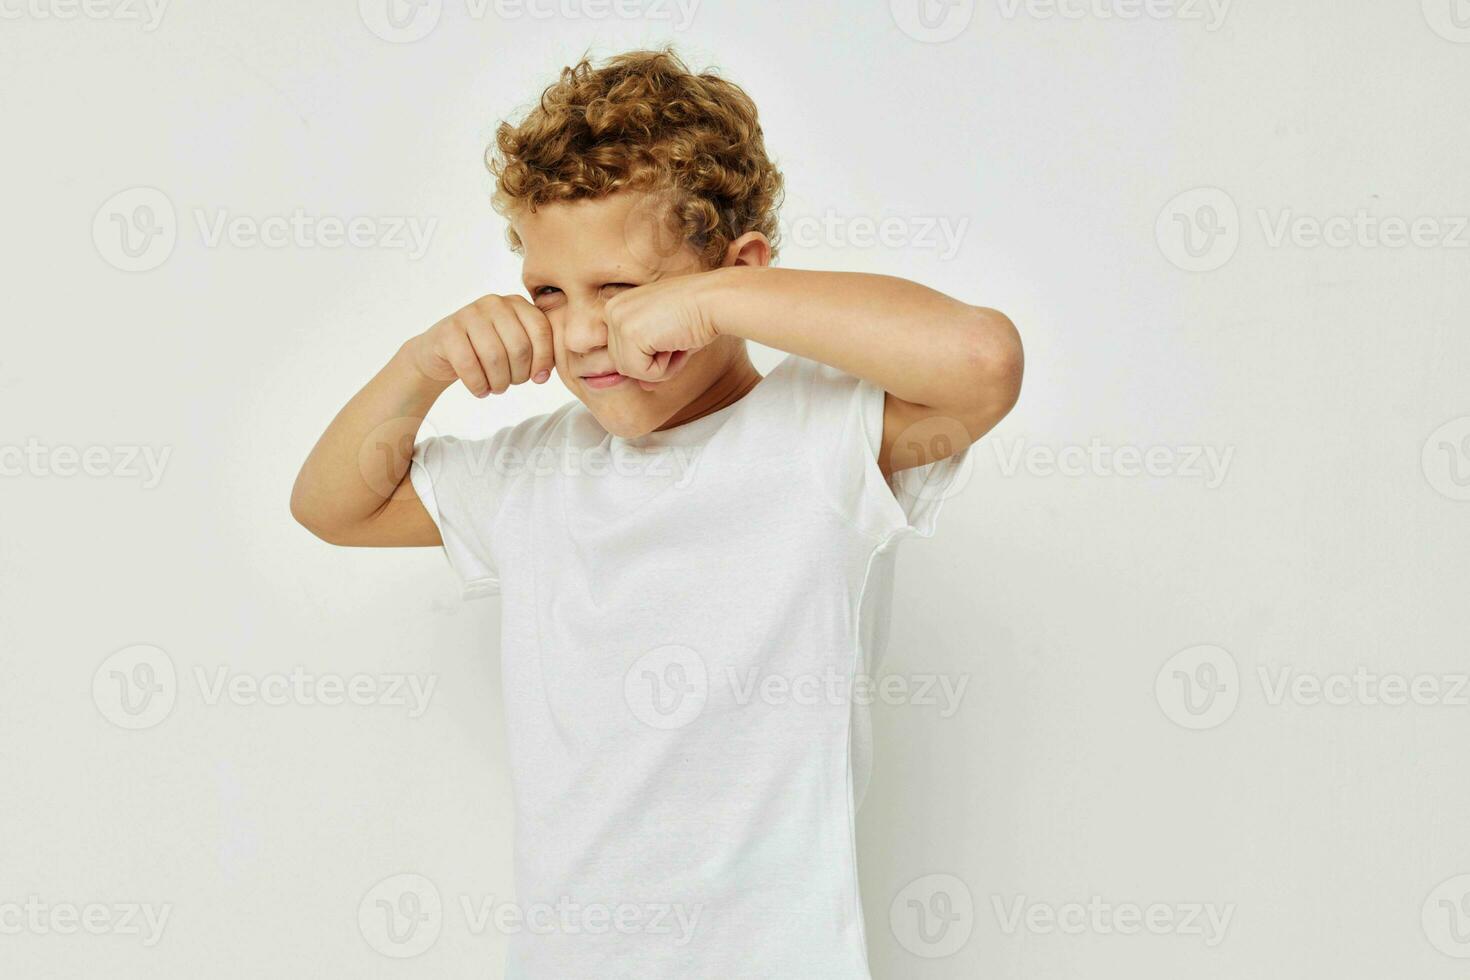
(694, 561)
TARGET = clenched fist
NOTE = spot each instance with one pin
(652, 329)
(495, 342)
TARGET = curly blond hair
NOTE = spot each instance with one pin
(643, 121)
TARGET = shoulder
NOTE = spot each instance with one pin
(493, 459)
(549, 428)
(817, 398)
(805, 382)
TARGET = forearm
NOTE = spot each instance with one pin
(361, 459)
(912, 341)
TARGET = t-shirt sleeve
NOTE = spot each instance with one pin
(843, 419)
(460, 484)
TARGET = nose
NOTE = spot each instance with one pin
(585, 329)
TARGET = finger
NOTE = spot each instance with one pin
(491, 354)
(638, 366)
(627, 358)
(543, 348)
(460, 354)
(516, 342)
(673, 363)
(663, 365)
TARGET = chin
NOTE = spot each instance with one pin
(627, 416)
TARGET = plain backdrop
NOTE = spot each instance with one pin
(1205, 589)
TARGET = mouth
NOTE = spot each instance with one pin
(606, 379)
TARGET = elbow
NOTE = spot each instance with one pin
(996, 363)
(305, 518)
(309, 517)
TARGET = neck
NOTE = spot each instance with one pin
(733, 384)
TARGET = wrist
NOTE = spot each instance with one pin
(719, 294)
(405, 365)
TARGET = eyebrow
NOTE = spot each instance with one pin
(534, 279)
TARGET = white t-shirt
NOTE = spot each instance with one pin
(683, 614)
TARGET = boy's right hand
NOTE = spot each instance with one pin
(495, 342)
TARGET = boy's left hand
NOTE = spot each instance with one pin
(652, 329)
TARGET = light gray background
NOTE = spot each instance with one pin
(1081, 768)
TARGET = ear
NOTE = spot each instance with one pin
(751, 248)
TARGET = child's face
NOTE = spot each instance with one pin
(577, 255)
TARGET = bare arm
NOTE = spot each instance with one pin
(353, 488)
(951, 370)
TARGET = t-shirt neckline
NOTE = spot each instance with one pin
(694, 432)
